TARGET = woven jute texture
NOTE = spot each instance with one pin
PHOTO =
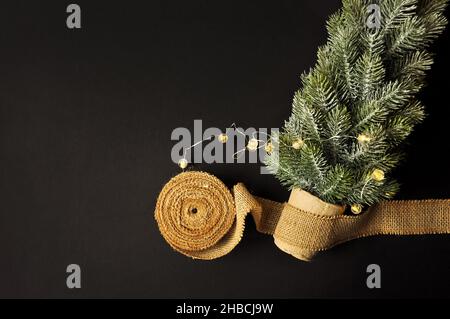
(199, 217)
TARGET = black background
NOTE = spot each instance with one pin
(86, 118)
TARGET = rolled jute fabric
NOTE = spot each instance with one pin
(199, 217)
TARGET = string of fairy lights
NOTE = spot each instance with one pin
(254, 144)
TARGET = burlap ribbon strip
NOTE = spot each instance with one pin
(199, 217)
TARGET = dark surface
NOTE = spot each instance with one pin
(86, 117)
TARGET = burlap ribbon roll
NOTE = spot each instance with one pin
(199, 217)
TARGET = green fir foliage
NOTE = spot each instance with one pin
(358, 104)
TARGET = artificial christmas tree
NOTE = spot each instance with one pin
(358, 104)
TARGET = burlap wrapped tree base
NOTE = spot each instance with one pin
(199, 217)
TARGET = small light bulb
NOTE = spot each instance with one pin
(252, 144)
(356, 209)
(223, 138)
(298, 144)
(268, 148)
(183, 163)
(377, 175)
(363, 138)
